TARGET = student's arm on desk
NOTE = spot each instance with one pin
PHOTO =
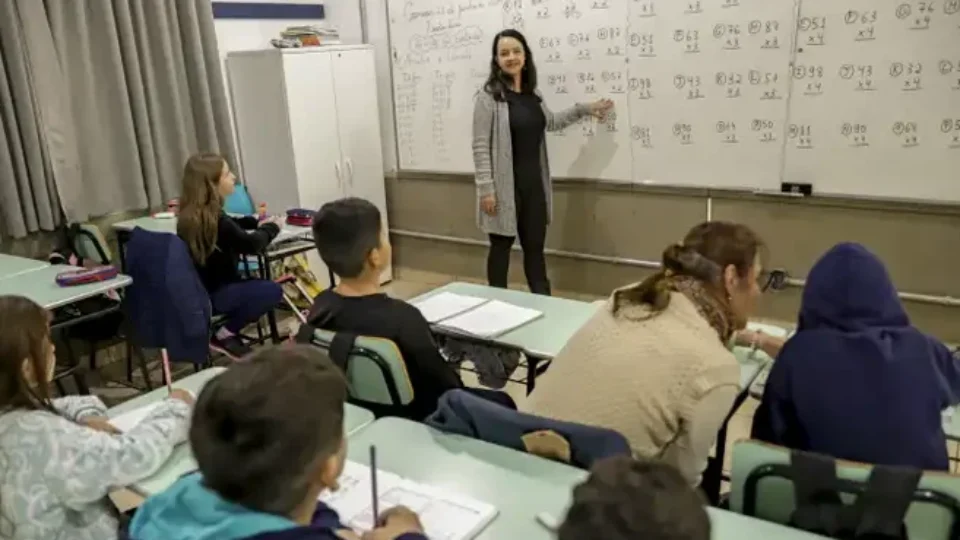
(77, 408)
(416, 340)
(247, 223)
(89, 464)
(249, 243)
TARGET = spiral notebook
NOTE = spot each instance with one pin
(444, 515)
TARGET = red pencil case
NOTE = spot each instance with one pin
(83, 276)
(300, 217)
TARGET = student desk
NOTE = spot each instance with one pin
(181, 461)
(291, 241)
(11, 265)
(541, 339)
(520, 485)
(39, 284)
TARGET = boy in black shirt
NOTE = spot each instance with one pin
(354, 244)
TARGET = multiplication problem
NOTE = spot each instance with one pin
(727, 130)
(642, 135)
(728, 35)
(813, 31)
(812, 77)
(689, 85)
(951, 128)
(909, 73)
(765, 129)
(864, 23)
(730, 82)
(558, 83)
(860, 74)
(802, 135)
(907, 132)
(641, 87)
(551, 48)
(769, 31)
(643, 45)
(855, 133)
(917, 14)
(689, 39)
(683, 133)
(614, 81)
(951, 69)
(767, 81)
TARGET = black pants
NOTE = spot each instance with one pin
(532, 230)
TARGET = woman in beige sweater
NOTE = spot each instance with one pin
(653, 363)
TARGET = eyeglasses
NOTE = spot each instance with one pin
(773, 280)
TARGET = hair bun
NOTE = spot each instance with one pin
(684, 260)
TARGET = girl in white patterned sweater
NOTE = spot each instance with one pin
(59, 458)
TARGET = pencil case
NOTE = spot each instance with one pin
(83, 276)
(300, 217)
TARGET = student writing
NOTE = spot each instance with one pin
(857, 381)
(58, 457)
(268, 437)
(216, 242)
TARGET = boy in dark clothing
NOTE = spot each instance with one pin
(353, 243)
(625, 499)
(268, 438)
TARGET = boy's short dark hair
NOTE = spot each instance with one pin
(346, 231)
(259, 427)
(625, 499)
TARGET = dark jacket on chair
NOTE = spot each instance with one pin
(857, 381)
(167, 304)
(462, 413)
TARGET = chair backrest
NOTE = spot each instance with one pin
(756, 492)
(89, 243)
(376, 371)
(239, 202)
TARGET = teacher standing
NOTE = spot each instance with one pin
(514, 189)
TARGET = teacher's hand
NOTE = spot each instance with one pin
(600, 108)
(488, 203)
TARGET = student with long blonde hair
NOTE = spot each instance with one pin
(59, 458)
(216, 242)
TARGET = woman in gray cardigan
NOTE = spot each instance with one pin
(510, 156)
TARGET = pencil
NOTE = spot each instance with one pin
(165, 359)
(373, 485)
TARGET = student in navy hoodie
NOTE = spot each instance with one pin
(857, 381)
(268, 439)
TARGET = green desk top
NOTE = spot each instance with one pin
(519, 485)
(543, 337)
(181, 461)
(11, 265)
(40, 286)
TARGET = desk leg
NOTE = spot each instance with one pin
(264, 261)
(122, 237)
(532, 364)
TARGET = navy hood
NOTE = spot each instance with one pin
(856, 381)
(849, 290)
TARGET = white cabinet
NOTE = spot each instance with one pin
(308, 128)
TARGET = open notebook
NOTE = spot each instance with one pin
(445, 516)
(475, 316)
(129, 419)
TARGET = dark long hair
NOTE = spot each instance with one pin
(498, 82)
(705, 252)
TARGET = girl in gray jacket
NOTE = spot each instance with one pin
(59, 458)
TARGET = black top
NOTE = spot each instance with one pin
(378, 315)
(527, 127)
(233, 240)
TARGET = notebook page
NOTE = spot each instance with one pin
(492, 319)
(445, 305)
(129, 419)
(445, 516)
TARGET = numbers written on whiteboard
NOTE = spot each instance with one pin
(907, 132)
(812, 31)
(864, 23)
(951, 128)
(855, 134)
(690, 39)
(768, 30)
(644, 9)
(689, 85)
(909, 73)
(727, 131)
(917, 15)
(860, 74)
(728, 35)
(643, 45)
(812, 77)
(683, 133)
(951, 69)
(802, 135)
(765, 129)
(642, 135)
(641, 87)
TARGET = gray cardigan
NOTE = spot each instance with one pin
(493, 159)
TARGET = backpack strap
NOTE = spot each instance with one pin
(340, 346)
(818, 505)
(880, 510)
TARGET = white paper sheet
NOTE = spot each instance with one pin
(445, 516)
(492, 319)
(446, 304)
(129, 419)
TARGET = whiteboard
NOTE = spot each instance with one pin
(708, 93)
(875, 108)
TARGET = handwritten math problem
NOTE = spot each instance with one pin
(707, 92)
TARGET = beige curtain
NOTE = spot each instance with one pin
(145, 91)
(101, 102)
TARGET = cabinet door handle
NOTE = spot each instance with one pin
(350, 170)
(336, 167)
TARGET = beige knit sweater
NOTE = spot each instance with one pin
(664, 381)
